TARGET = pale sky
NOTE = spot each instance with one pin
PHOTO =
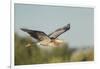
(48, 18)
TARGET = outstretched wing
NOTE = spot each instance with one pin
(39, 35)
(59, 31)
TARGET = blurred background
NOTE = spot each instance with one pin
(79, 40)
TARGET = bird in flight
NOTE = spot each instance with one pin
(47, 40)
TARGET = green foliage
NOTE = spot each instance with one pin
(34, 55)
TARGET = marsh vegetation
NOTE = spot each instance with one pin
(34, 55)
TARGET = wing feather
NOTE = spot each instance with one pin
(39, 35)
(59, 31)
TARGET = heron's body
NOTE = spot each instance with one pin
(53, 43)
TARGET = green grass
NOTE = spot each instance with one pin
(33, 55)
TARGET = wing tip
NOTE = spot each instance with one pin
(25, 30)
(22, 29)
(68, 24)
(67, 27)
